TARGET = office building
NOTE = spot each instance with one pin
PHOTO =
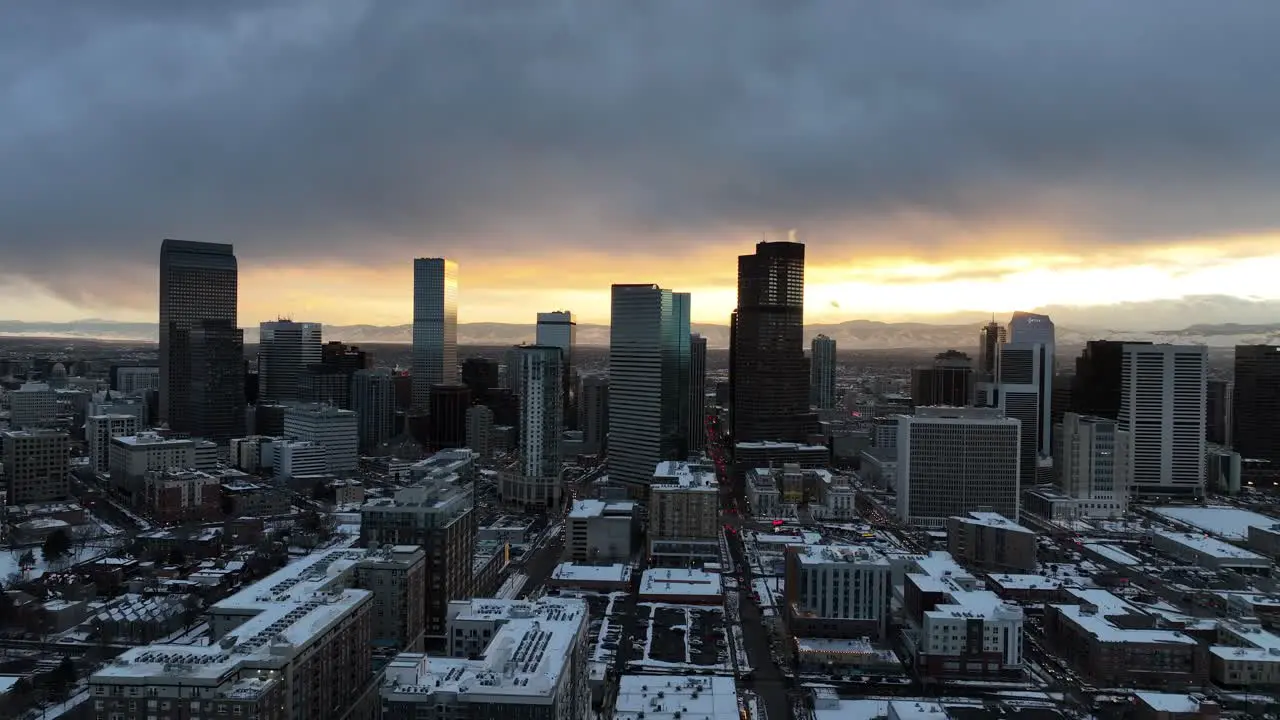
(509, 659)
(480, 431)
(285, 350)
(643, 402)
(1162, 407)
(482, 376)
(684, 517)
(1255, 408)
(822, 373)
(438, 514)
(697, 424)
(991, 542)
(952, 461)
(373, 400)
(990, 338)
(537, 484)
(1094, 466)
(215, 382)
(837, 591)
(948, 381)
(1219, 412)
(593, 413)
(1023, 392)
(98, 431)
(435, 326)
(36, 465)
(597, 531)
(678, 362)
(133, 456)
(557, 329)
(1099, 372)
(768, 371)
(298, 458)
(198, 282)
(335, 429)
(447, 409)
(133, 380)
(32, 405)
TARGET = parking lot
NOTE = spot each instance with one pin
(682, 637)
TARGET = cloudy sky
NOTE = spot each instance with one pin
(936, 157)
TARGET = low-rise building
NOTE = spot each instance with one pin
(1245, 656)
(672, 697)
(604, 578)
(509, 659)
(990, 541)
(172, 496)
(1207, 552)
(787, 490)
(512, 529)
(681, 586)
(1174, 706)
(837, 591)
(247, 499)
(599, 531)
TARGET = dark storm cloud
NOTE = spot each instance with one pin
(311, 128)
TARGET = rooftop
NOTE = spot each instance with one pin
(828, 554)
(679, 582)
(657, 697)
(149, 438)
(1025, 582)
(1212, 547)
(994, 520)
(568, 572)
(1169, 702)
(676, 475)
(1224, 521)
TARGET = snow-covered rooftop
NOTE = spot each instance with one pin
(994, 520)
(1025, 582)
(1224, 521)
(845, 554)
(673, 475)
(1212, 547)
(679, 581)
(1113, 553)
(1169, 702)
(655, 697)
(572, 572)
(297, 580)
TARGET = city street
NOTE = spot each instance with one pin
(767, 679)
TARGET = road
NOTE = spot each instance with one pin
(767, 679)
(539, 562)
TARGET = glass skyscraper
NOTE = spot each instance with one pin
(435, 327)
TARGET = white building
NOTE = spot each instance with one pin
(133, 456)
(285, 350)
(684, 514)
(1162, 407)
(952, 461)
(530, 662)
(293, 458)
(336, 429)
(435, 327)
(971, 632)
(538, 482)
(33, 405)
(838, 590)
(1094, 468)
(1207, 552)
(98, 431)
(822, 373)
(596, 530)
(676, 697)
(780, 492)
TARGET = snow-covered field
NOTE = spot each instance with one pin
(9, 559)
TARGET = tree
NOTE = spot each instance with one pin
(63, 676)
(27, 560)
(57, 546)
(176, 556)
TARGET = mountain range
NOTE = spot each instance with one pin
(849, 335)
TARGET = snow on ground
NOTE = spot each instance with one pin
(608, 633)
(9, 559)
(740, 657)
(1224, 521)
(769, 590)
(510, 589)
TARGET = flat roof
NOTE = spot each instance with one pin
(299, 579)
(994, 520)
(1212, 547)
(587, 509)
(1224, 521)
(672, 475)
(841, 554)
(572, 572)
(663, 697)
(1025, 582)
(679, 581)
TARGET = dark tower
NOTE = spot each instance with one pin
(768, 371)
(1095, 390)
(1256, 403)
(949, 381)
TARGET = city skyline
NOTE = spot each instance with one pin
(909, 193)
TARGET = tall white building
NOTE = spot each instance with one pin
(32, 405)
(285, 350)
(1095, 465)
(1162, 407)
(952, 461)
(839, 584)
(1024, 391)
(557, 329)
(822, 373)
(373, 400)
(541, 429)
(98, 431)
(336, 429)
(435, 327)
(643, 387)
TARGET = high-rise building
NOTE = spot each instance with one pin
(334, 428)
(1095, 388)
(949, 381)
(1023, 394)
(768, 371)
(1219, 414)
(1162, 408)
(134, 379)
(593, 409)
(677, 362)
(33, 405)
(990, 338)
(953, 461)
(99, 429)
(1095, 465)
(643, 403)
(1024, 328)
(215, 381)
(373, 399)
(822, 373)
(557, 329)
(447, 407)
(482, 376)
(435, 326)
(37, 465)
(480, 431)
(1255, 430)
(329, 380)
(537, 483)
(198, 282)
(285, 350)
(697, 423)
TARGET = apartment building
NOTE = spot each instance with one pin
(36, 465)
(599, 531)
(337, 430)
(172, 496)
(837, 591)
(684, 514)
(99, 430)
(990, 541)
(133, 456)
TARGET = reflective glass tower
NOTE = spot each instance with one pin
(435, 327)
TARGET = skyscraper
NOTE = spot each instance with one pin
(822, 373)
(1255, 427)
(286, 349)
(1025, 327)
(1162, 404)
(768, 372)
(642, 402)
(557, 329)
(215, 381)
(541, 428)
(435, 327)
(990, 338)
(952, 461)
(593, 408)
(1095, 388)
(198, 282)
(697, 393)
(678, 366)
(1022, 394)
(373, 399)
(1219, 413)
(447, 409)
(1095, 465)
(949, 381)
